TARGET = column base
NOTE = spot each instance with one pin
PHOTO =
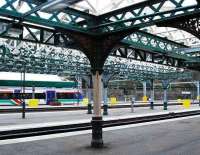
(151, 105)
(105, 109)
(165, 106)
(89, 109)
(97, 137)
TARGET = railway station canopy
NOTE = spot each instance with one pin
(38, 34)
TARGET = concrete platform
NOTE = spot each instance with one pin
(177, 137)
(14, 121)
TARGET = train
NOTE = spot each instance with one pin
(45, 96)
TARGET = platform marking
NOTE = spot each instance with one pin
(62, 135)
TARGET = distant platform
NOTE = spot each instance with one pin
(70, 107)
(14, 120)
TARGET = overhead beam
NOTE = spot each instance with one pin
(138, 15)
(71, 23)
(139, 39)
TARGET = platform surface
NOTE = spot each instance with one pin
(40, 119)
(180, 137)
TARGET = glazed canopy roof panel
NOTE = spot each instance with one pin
(98, 7)
(174, 34)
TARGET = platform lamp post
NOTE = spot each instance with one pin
(23, 90)
(78, 79)
(78, 87)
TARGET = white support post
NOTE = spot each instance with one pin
(198, 89)
(152, 95)
(97, 93)
(144, 88)
(97, 122)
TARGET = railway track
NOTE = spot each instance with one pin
(29, 132)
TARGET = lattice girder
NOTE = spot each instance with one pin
(51, 60)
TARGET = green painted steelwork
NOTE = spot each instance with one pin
(42, 59)
(149, 42)
(77, 19)
(73, 21)
(136, 16)
(69, 19)
(48, 84)
(143, 73)
(144, 14)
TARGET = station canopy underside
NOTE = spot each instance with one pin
(96, 7)
(32, 21)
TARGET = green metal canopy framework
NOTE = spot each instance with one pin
(46, 29)
(16, 56)
(129, 17)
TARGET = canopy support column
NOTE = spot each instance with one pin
(144, 88)
(88, 80)
(97, 49)
(152, 94)
(165, 84)
(97, 122)
(105, 80)
(198, 91)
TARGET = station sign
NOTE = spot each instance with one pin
(186, 92)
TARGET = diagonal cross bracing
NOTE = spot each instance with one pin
(136, 16)
(48, 36)
(68, 19)
(144, 14)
